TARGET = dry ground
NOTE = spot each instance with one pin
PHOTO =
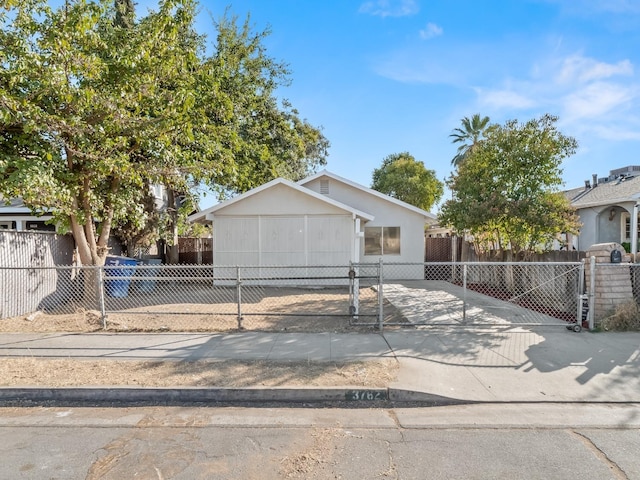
(26, 372)
(173, 317)
(273, 310)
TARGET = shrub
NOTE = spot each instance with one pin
(626, 317)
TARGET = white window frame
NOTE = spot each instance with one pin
(625, 227)
(383, 235)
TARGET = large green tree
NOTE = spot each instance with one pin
(403, 177)
(506, 192)
(472, 132)
(95, 107)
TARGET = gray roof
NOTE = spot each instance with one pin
(607, 193)
(573, 193)
(11, 203)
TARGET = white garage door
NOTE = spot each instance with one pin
(272, 240)
(329, 240)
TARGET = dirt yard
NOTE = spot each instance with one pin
(30, 372)
(314, 311)
(270, 310)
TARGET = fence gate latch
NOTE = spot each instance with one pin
(352, 274)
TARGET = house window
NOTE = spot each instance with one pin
(626, 228)
(40, 226)
(382, 241)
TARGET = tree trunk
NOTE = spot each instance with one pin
(173, 256)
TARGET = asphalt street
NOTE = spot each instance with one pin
(516, 441)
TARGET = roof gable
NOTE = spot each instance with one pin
(369, 191)
(209, 213)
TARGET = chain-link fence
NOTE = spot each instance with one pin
(489, 293)
(144, 297)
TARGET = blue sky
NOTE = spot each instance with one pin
(387, 76)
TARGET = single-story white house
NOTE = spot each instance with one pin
(322, 220)
(608, 209)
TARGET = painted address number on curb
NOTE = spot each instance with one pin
(366, 395)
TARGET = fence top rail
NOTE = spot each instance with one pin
(177, 267)
(485, 263)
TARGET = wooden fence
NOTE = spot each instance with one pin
(195, 250)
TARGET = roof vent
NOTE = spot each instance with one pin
(324, 186)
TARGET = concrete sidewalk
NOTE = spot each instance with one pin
(542, 364)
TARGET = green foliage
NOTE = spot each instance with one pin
(506, 194)
(96, 107)
(627, 246)
(403, 177)
(472, 132)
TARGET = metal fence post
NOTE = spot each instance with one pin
(380, 298)
(592, 294)
(580, 306)
(354, 290)
(464, 293)
(239, 296)
(103, 314)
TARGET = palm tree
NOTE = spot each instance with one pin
(468, 136)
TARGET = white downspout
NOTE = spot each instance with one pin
(213, 248)
(355, 258)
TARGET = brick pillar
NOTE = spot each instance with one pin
(612, 280)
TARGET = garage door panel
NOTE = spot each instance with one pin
(236, 234)
(282, 234)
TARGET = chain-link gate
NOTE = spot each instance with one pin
(366, 279)
(490, 294)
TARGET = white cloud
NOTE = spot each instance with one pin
(432, 30)
(596, 100)
(618, 133)
(410, 67)
(504, 99)
(390, 8)
(577, 68)
(592, 96)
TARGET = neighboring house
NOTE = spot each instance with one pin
(15, 216)
(321, 220)
(608, 209)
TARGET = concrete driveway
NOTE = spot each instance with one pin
(440, 303)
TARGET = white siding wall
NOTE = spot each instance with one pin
(283, 240)
(387, 214)
(235, 241)
(329, 240)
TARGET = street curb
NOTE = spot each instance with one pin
(408, 396)
(90, 395)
